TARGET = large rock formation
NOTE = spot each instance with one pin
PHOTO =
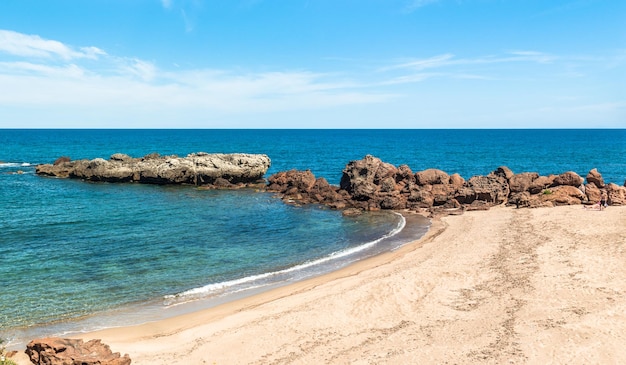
(61, 351)
(221, 170)
(371, 184)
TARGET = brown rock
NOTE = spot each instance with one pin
(541, 183)
(594, 177)
(504, 171)
(563, 195)
(521, 182)
(120, 157)
(520, 199)
(491, 189)
(569, 178)
(60, 351)
(393, 201)
(593, 193)
(61, 160)
(616, 194)
(456, 180)
(361, 178)
(432, 177)
(302, 181)
(351, 212)
(404, 174)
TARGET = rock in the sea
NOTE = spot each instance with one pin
(195, 169)
(62, 351)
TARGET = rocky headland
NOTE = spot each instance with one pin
(203, 169)
(371, 184)
(366, 184)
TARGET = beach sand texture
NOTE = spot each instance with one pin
(503, 286)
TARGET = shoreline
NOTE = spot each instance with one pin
(162, 309)
(504, 285)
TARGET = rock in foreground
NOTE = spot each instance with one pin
(62, 351)
(221, 170)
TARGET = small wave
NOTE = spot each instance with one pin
(14, 164)
(238, 285)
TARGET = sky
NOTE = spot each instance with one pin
(313, 64)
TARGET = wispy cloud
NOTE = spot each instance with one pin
(117, 81)
(24, 45)
(167, 4)
(449, 66)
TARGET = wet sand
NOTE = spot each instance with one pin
(504, 286)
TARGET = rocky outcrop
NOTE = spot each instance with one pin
(301, 187)
(371, 184)
(218, 170)
(60, 351)
(595, 178)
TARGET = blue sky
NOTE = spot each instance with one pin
(313, 64)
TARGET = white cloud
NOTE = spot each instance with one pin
(144, 70)
(449, 66)
(87, 85)
(24, 45)
(42, 80)
(33, 69)
(422, 64)
(167, 4)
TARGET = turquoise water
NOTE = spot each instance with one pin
(72, 250)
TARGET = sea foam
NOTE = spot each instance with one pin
(294, 273)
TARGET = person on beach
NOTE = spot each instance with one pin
(603, 199)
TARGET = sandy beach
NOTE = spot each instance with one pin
(503, 286)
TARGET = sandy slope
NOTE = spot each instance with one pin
(504, 286)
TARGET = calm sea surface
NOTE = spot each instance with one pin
(78, 256)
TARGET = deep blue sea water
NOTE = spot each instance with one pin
(76, 255)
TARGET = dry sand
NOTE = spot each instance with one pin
(504, 286)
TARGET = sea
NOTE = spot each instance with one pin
(78, 256)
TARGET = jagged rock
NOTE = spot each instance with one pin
(594, 177)
(520, 199)
(504, 171)
(302, 181)
(404, 174)
(197, 169)
(616, 194)
(491, 189)
(60, 351)
(361, 178)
